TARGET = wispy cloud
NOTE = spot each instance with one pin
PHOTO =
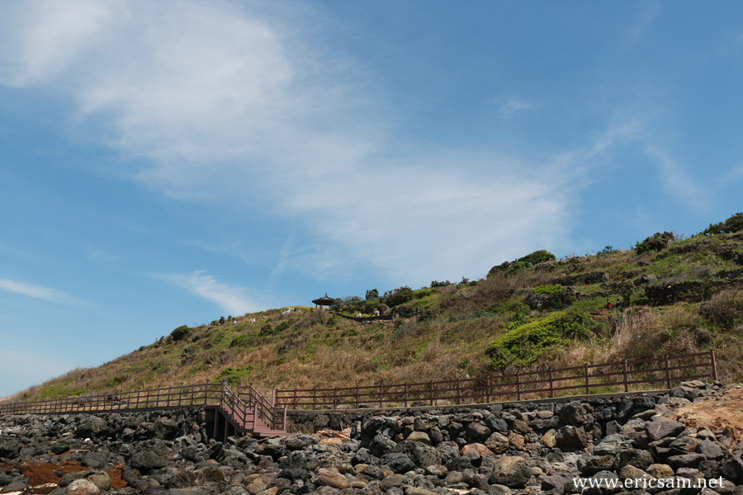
(650, 10)
(227, 297)
(225, 104)
(676, 180)
(508, 106)
(38, 292)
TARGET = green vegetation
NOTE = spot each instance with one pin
(677, 296)
(731, 225)
(180, 333)
(655, 242)
(549, 290)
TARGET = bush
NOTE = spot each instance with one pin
(550, 290)
(530, 259)
(180, 333)
(235, 375)
(732, 224)
(435, 283)
(724, 309)
(372, 294)
(397, 296)
(655, 242)
(524, 345)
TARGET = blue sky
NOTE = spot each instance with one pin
(166, 163)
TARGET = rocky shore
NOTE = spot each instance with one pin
(693, 432)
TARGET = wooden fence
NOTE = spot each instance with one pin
(621, 376)
(206, 394)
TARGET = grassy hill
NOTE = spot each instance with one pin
(676, 296)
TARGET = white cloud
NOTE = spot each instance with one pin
(227, 297)
(38, 292)
(507, 106)
(227, 104)
(676, 180)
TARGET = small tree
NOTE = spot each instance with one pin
(372, 294)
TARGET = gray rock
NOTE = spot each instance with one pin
(10, 447)
(640, 459)
(398, 462)
(422, 455)
(612, 445)
(663, 429)
(571, 437)
(91, 427)
(572, 414)
(708, 449)
(165, 429)
(685, 460)
(513, 472)
(382, 444)
(592, 464)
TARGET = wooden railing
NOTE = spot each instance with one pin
(621, 376)
(198, 395)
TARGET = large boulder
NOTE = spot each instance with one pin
(497, 443)
(82, 487)
(613, 444)
(513, 472)
(10, 447)
(572, 414)
(571, 437)
(421, 454)
(662, 429)
(91, 427)
(165, 429)
(146, 460)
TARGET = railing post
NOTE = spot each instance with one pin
(406, 394)
(206, 393)
(585, 373)
(668, 371)
(314, 398)
(380, 394)
(335, 397)
(459, 392)
(295, 397)
(431, 392)
(487, 390)
(624, 375)
(518, 385)
(357, 396)
(552, 385)
(167, 404)
(180, 395)
(273, 396)
(713, 362)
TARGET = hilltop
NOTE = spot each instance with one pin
(675, 296)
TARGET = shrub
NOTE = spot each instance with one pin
(235, 375)
(524, 345)
(549, 290)
(440, 284)
(372, 294)
(397, 296)
(180, 333)
(724, 309)
(530, 259)
(655, 242)
(732, 224)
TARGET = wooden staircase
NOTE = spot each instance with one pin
(259, 417)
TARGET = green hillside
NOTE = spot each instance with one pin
(675, 296)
